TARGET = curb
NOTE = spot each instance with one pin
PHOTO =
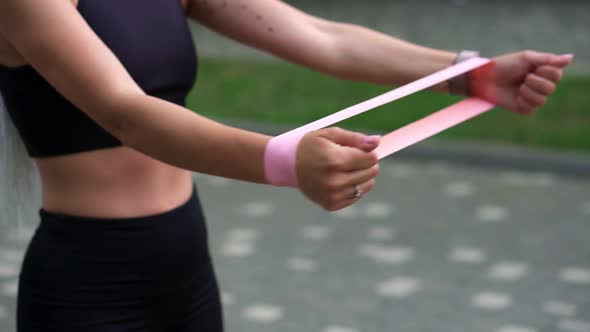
(480, 155)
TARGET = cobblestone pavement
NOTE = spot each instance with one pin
(435, 247)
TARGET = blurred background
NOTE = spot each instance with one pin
(485, 227)
(491, 26)
(290, 95)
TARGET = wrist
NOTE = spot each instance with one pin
(280, 160)
(460, 85)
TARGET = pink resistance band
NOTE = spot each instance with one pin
(281, 151)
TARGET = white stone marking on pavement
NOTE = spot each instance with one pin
(467, 255)
(586, 208)
(349, 212)
(491, 300)
(387, 254)
(491, 213)
(243, 234)
(459, 189)
(219, 182)
(508, 271)
(378, 210)
(381, 233)
(263, 313)
(542, 179)
(399, 170)
(11, 255)
(528, 180)
(301, 264)
(515, 178)
(228, 299)
(559, 308)
(10, 288)
(514, 328)
(258, 209)
(339, 328)
(316, 232)
(575, 275)
(399, 287)
(237, 248)
(571, 325)
(8, 270)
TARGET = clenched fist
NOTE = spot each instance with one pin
(332, 162)
(520, 82)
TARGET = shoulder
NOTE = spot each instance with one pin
(9, 56)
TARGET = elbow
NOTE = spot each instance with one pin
(117, 126)
(335, 58)
(114, 113)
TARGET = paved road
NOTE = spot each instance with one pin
(435, 248)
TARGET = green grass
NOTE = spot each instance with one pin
(285, 94)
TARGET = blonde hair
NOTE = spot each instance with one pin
(20, 189)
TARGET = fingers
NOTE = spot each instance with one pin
(357, 168)
(537, 87)
(539, 59)
(327, 172)
(365, 188)
(350, 150)
(532, 97)
(351, 139)
(370, 143)
(351, 159)
(342, 185)
(539, 84)
(524, 106)
(362, 176)
(348, 195)
(549, 72)
(561, 61)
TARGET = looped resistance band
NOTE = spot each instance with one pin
(280, 155)
(421, 129)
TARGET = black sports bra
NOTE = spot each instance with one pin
(152, 40)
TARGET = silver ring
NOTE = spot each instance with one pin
(358, 192)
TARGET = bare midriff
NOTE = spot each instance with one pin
(107, 183)
(111, 183)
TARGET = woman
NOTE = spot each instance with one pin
(96, 89)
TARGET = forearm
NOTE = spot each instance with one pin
(179, 137)
(366, 55)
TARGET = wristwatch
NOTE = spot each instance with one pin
(459, 85)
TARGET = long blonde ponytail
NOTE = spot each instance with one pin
(20, 189)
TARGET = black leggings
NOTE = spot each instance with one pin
(148, 274)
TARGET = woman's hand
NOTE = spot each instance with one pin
(331, 162)
(520, 82)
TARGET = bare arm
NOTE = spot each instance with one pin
(55, 39)
(339, 49)
(519, 81)
(52, 37)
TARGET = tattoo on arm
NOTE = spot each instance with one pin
(234, 5)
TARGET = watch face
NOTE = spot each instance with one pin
(466, 54)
